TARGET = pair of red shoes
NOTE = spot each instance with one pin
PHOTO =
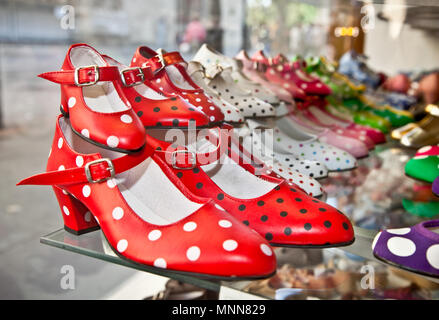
(158, 204)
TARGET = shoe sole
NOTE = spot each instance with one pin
(142, 267)
(187, 273)
(406, 268)
(311, 246)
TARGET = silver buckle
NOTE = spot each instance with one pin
(141, 75)
(110, 168)
(90, 83)
(193, 162)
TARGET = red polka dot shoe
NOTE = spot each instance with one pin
(171, 77)
(295, 72)
(274, 75)
(155, 108)
(147, 215)
(283, 213)
(92, 97)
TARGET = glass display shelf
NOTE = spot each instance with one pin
(374, 196)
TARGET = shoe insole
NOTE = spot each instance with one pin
(101, 97)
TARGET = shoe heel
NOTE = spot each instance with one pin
(77, 218)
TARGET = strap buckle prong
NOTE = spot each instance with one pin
(90, 83)
(140, 74)
(192, 160)
(110, 168)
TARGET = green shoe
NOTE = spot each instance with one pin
(422, 209)
(424, 168)
(319, 67)
(358, 116)
(396, 118)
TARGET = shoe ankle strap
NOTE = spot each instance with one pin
(183, 159)
(83, 76)
(160, 61)
(94, 171)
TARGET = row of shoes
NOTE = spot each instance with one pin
(214, 205)
(206, 207)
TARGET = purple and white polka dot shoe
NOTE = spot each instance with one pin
(414, 248)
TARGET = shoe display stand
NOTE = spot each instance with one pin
(350, 260)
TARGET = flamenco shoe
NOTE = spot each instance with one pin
(423, 168)
(413, 248)
(350, 145)
(231, 112)
(146, 214)
(273, 74)
(427, 133)
(281, 212)
(256, 72)
(324, 116)
(220, 81)
(170, 76)
(257, 138)
(92, 98)
(353, 65)
(344, 109)
(154, 108)
(209, 57)
(435, 186)
(310, 147)
(428, 151)
(424, 209)
(319, 117)
(295, 72)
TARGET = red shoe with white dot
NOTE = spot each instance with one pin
(91, 96)
(295, 72)
(156, 109)
(281, 212)
(171, 77)
(147, 215)
(274, 75)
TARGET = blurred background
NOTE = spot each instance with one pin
(396, 35)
